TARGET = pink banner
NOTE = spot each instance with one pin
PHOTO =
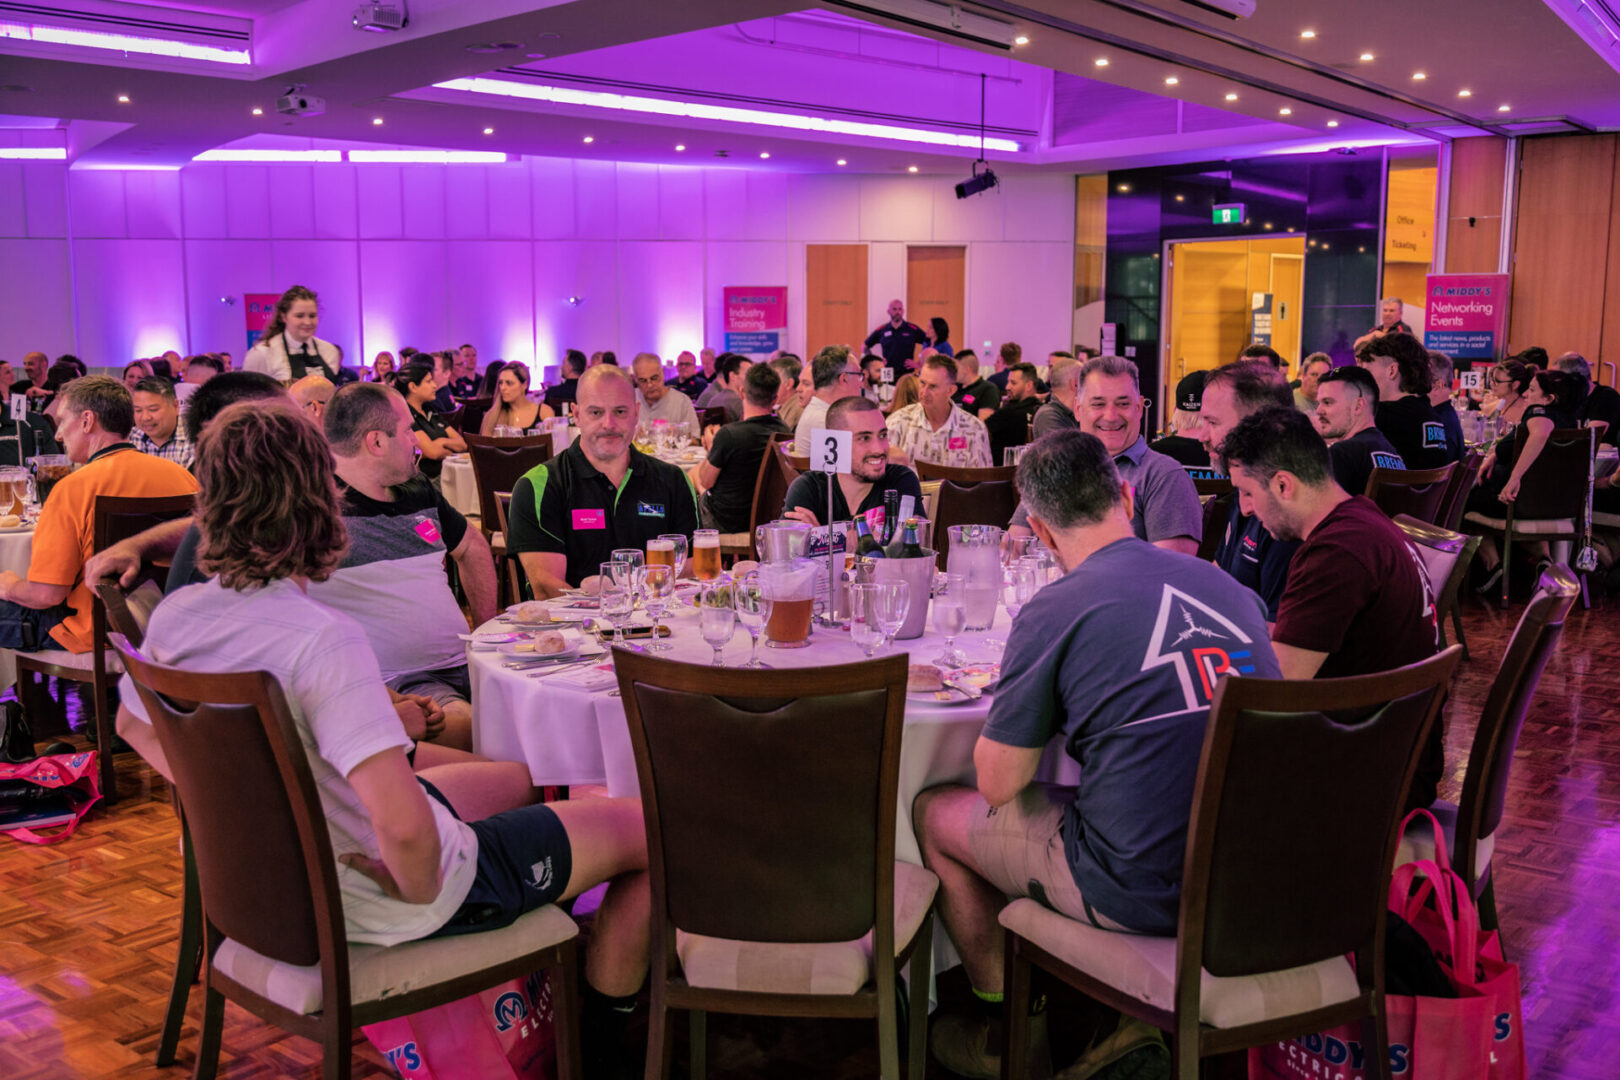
(1465, 315)
(258, 308)
(756, 318)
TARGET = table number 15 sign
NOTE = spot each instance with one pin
(830, 451)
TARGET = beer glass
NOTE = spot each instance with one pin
(706, 554)
(680, 550)
(791, 588)
(13, 490)
(661, 552)
(753, 610)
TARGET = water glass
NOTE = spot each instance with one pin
(891, 603)
(863, 627)
(950, 616)
(630, 557)
(616, 599)
(753, 611)
(657, 587)
(1020, 583)
(717, 619)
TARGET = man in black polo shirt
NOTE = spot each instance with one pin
(1401, 367)
(898, 340)
(569, 514)
(728, 477)
(1602, 404)
(871, 477)
(573, 366)
(1345, 400)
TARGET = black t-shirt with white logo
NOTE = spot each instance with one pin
(1416, 431)
(1355, 458)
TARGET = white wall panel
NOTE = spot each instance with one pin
(337, 212)
(466, 203)
(45, 191)
(292, 201)
(422, 191)
(331, 268)
(976, 218)
(636, 187)
(660, 297)
(202, 201)
(589, 271)
(13, 216)
(885, 280)
(131, 299)
(152, 204)
(742, 263)
(1040, 207)
(895, 209)
(767, 206)
(490, 298)
(380, 202)
(404, 284)
(39, 299)
(509, 201)
(96, 201)
(1022, 293)
(596, 200)
(825, 209)
(725, 204)
(680, 203)
(247, 200)
(552, 197)
(228, 268)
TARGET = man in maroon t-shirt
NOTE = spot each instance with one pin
(1358, 599)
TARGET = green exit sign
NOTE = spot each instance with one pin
(1230, 214)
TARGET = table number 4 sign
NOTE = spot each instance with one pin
(830, 451)
(19, 408)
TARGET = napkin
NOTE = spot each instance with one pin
(590, 679)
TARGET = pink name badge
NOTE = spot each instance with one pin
(957, 442)
(590, 519)
(427, 531)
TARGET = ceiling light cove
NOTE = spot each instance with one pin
(124, 43)
(14, 153)
(696, 110)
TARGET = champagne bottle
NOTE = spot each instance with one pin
(866, 545)
(909, 548)
(891, 516)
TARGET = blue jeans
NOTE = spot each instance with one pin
(29, 629)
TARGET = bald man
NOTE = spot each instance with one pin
(312, 392)
(899, 340)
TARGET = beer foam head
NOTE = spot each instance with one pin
(660, 545)
(706, 540)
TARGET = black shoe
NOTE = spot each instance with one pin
(1492, 582)
(60, 747)
(16, 736)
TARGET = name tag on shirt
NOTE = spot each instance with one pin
(647, 509)
(427, 531)
(590, 519)
(957, 442)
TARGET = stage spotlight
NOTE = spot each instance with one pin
(978, 182)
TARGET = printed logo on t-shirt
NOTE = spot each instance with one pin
(1199, 644)
(1250, 549)
(1434, 435)
(647, 509)
(1381, 460)
(590, 519)
(428, 531)
(540, 875)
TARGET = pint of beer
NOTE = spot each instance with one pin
(791, 588)
(706, 554)
(661, 553)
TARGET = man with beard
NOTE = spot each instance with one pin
(861, 490)
(1345, 403)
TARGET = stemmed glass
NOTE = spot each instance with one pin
(753, 611)
(631, 557)
(616, 599)
(680, 550)
(950, 617)
(891, 603)
(863, 627)
(717, 619)
(657, 586)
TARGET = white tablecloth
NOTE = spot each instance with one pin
(456, 481)
(16, 549)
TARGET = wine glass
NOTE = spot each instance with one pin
(717, 618)
(950, 617)
(680, 550)
(891, 603)
(615, 599)
(629, 557)
(657, 587)
(753, 611)
(863, 627)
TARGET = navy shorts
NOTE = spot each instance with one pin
(524, 862)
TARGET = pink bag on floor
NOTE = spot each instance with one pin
(74, 775)
(503, 1033)
(1478, 1035)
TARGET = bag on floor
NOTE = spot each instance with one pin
(503, 1033)
(52, 792)
(1478, 1034)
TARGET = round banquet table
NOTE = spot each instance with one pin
(457, 484)
(16, 549)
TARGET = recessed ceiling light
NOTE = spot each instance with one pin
(1020, 40)
(1124, 188)
(258, 111)
(841, 161)
(1101, 61)
(1231, 97)
(123, 99)
(1504, 108)
(376, 121)
(1362, 250)
(1181, 198)
(1285, 111)
(911, 168)
(1325, 245)
(1333, 123)
(1171, 81)
(1307, 34)
(489, 131)
(680, 147)
(590, 138)
(764, 154)
(1418, 75)
(1366, 56)
(1465, 93)
(1267, 225)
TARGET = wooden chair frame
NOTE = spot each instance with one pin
(1428, 489)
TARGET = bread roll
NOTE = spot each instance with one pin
(531, 612)
(549, 643)
(924, 679)
(10, 521)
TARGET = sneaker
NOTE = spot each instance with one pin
(1135, 1050)
(970, 1045)
(1492, 582)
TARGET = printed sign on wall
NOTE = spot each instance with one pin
(756, 319)
(259, 308)
(1466, 315)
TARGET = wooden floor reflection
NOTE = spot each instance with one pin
(87, 927)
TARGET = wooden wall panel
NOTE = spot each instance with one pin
(1566, 185)
(835, 296)
(936, 286)
(1475, 192)
(1090, 237)
(1609, 346)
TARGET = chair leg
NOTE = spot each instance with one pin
(187, 958)
(1456, 625)
(699, 1035)
(104, 742)
(1486, 903)
(337, 1050)
(213, 1020)
(1184, 1052)
(565, 1008)
(1378, 1039)
(1014, 1010)
(922, 977)
(660, 1036)
(1507, 563)
(888, 1018)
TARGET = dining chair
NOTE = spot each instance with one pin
(1418, 493)
(1446, 555)
(771, 483)
(1470, 824)
(1295, 816)
(969, 497)
(498, 464)
(1553, 499)
(1216, 495)
(274, 935)
(770, 801)
(1462, 482)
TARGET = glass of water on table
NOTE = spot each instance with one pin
(950, 617)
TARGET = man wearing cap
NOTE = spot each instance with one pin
(1183, 442)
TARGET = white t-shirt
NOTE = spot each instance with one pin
(343, 714)
(814, 416)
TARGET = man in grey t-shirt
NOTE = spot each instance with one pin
(1120, 658)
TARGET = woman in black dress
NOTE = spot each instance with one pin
(436, 440)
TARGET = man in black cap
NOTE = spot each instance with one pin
(1183, 442)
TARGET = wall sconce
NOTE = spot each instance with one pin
(228, 301)
(575, 301)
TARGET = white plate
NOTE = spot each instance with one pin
(511, 650)
(948, 696)
(983, 676)
(494, 638)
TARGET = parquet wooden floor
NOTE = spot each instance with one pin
(87, 927)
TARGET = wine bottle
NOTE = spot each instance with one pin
(891, 516)
(866, 545)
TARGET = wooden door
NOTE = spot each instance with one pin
(1287, 279)
(835, 297)
(936, 287)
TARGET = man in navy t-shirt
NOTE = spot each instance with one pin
(1120, 658)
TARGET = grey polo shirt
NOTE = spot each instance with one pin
(1167, 503)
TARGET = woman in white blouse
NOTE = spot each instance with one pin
(289, 349)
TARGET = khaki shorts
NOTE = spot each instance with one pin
(1019, 849)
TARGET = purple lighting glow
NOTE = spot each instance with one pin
(694, 110)
(91, 39)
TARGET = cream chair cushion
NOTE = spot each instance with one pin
(769, 967)
(1521, 527)
(1145, 968)
(1417, 844)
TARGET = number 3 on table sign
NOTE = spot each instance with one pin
(830, 451)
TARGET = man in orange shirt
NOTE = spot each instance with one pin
(50, 609)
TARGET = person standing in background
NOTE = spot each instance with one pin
(289, 349)
(942, 336)
(897, 339)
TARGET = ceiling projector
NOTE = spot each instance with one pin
(297, 103)
(973, 185)
(380, 18)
